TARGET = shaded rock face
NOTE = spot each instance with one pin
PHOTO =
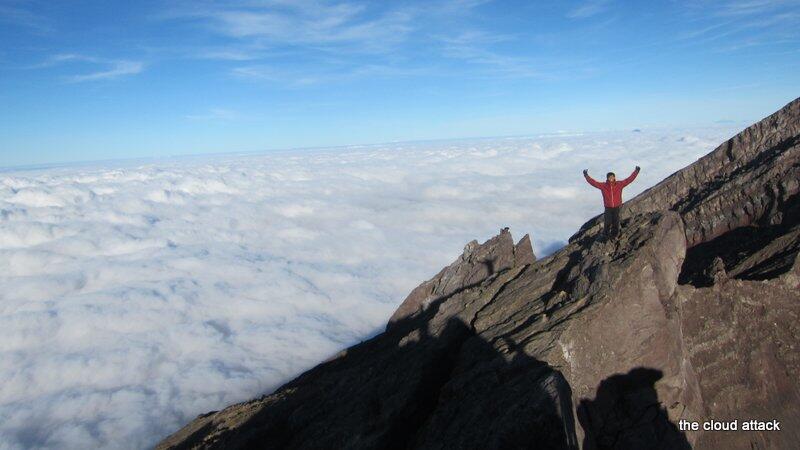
(626, 413)
(692, 314)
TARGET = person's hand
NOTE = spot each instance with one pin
(586, 171)
(638, 168)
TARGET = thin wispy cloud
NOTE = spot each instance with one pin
(387, 35)
(290, 78)
(476, 37)
(117, 69)
(106, 68)
(229, 54)
(749, 7)
(498, 64)
(742, 24)
(216, 114)
(475, 47)
(335, 40)
(478, 50)
(588, 9)
(19, 13)
(301, 23)
(299, 78)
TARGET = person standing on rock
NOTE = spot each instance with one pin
(612, 199)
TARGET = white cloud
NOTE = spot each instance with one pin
(335, 40)
(110, 68)
(741, 24)
(588, 9)
(306, 23)
(134, 297)
(21, 14)
(750, 7)
(116, 69)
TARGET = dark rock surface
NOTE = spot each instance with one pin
(692, 314)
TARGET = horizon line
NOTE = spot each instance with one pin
(278, 150)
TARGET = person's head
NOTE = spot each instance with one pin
(611, 177)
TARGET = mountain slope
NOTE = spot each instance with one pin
(692, 314)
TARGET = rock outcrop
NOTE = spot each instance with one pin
(474, 266)
(691, 315)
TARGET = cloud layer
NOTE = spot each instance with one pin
(135, 296)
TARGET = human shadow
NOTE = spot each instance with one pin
(626, 414)
(499, 397)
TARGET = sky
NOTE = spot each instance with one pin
(96, 80)
(136, 295)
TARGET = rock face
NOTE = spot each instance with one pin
(691, 315)
(475, 265)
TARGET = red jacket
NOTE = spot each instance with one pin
(612, 192)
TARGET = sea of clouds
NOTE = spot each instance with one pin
(136, 295)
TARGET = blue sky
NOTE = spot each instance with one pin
(89, 80)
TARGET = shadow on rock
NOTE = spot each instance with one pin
(498, 397)
(416, 386)
(626, 414)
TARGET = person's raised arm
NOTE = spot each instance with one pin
(591, 180)
(628, 180)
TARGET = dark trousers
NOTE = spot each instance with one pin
(611, 222)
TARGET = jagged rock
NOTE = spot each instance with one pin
(523, 252)
(476, 264)
(692, 314)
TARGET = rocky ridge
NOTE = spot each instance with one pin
(691, 315)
